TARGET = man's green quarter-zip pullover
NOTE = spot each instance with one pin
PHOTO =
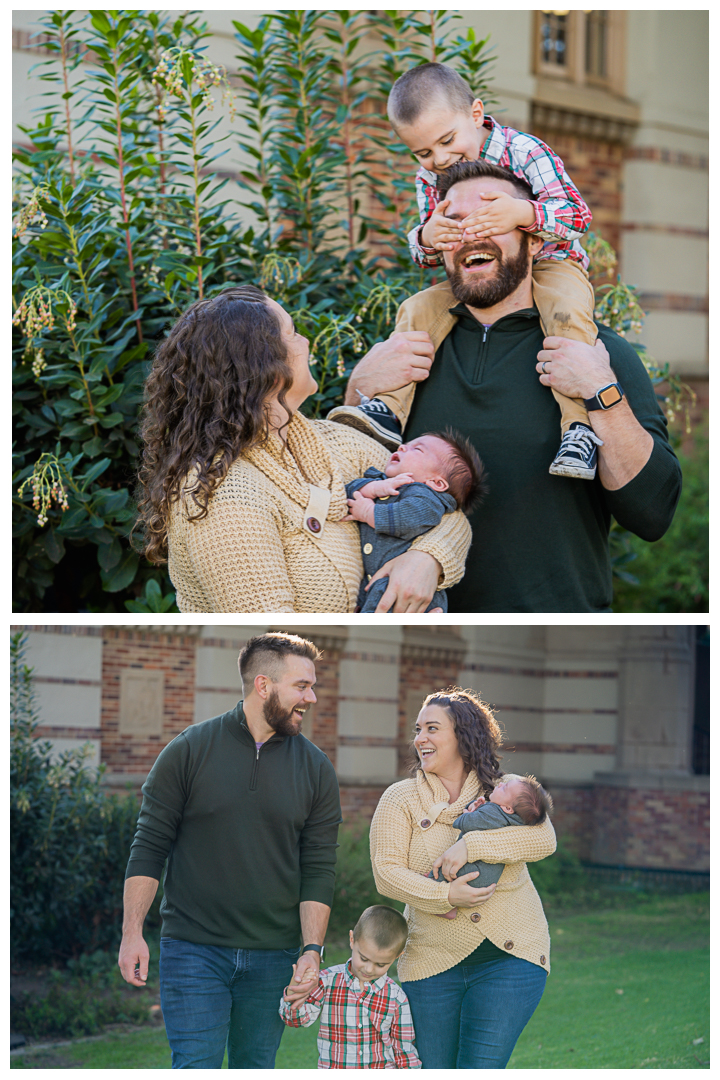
(248, 834)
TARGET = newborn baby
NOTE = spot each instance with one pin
(424, 479)
(516, 800)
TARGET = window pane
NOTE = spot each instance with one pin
(596, 23)
(553, 37)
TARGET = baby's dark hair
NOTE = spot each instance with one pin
(384, 926)
(466, 475)
(419, 89)
(533, 804)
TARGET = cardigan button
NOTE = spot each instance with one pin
(474, 917)
(542, 959)
(425, 823)
(313, 525)
(509, 944)
(367, 549)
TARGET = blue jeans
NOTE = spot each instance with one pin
(471, 1016)
(212, 997)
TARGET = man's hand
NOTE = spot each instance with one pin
(574, 368)
(306, 975)
(134, 954)
(439, 232)
(500, 214)
(451, 860)
(361, 509)
(413, 579)
(405, 357)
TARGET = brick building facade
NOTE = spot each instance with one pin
(604, 716)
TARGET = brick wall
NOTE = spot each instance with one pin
(419, 676)
(358, 803)
(175, 657)
(324, 712)
(595, 168)
(573, 817)
(654, 829)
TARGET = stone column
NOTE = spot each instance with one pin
(651, 811)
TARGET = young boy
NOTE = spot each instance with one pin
(423, 480)
(433, 111)
(366, 1021)
(516, 800)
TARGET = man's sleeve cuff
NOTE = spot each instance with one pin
(144, 868)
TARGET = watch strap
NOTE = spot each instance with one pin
(314, 948)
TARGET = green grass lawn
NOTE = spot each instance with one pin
(655, 952)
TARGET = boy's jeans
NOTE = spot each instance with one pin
(471, 1016)
(213, 996)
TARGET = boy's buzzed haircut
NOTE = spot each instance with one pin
(466, 475)
(533, 804)
(475, 170)
(265, 655)
(382, 925)
(424, 86)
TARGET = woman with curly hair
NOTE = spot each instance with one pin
(473, 982)
(242, 494)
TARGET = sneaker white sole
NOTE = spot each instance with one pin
(572, 470)
(366, 425)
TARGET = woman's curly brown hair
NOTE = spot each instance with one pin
(206, 400)
(478, 734)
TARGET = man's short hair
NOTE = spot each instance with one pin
(384, 926)
(533, 804)
(424, 86)
(265, 655)
(466, 475)
(476, 170)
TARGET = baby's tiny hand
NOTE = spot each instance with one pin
(474, 804)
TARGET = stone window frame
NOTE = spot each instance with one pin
(574, 71)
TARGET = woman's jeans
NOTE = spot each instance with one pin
(213, 996)
(471, 1016)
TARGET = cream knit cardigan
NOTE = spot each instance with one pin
(402, 852)
(251, 553)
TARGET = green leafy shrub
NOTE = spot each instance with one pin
(354, 883)
(74, 1007)
(673, 573)
(69, 842)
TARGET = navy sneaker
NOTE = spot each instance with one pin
(373, 417)
(577, 455)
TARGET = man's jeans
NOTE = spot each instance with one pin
(471, 1016)
(213, 996)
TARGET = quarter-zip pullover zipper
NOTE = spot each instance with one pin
(480, 362)
(253, 778)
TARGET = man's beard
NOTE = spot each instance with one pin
(279, 719)
(480, 292)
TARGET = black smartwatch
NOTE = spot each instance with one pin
(314, 948)
(606, 397)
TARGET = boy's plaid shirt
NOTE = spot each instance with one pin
(360, 1028)
(561, 215)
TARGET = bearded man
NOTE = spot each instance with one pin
(540, 542)
(246, 812)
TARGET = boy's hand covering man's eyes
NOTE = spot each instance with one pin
(501, 213)
(439, 232)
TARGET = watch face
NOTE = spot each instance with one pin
(609, 395)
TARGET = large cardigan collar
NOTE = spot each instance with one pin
(304, 461)
(433, 797)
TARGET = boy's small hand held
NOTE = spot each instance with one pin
(500, 214)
